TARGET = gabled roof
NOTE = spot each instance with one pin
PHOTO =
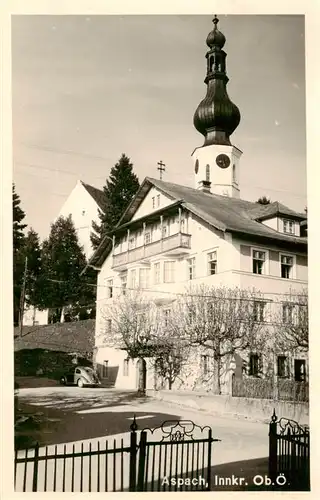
(97, 194)
(273, 209)
(221, 212)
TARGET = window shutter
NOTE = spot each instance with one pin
(274, 256)
(302, 261)
(245, 258)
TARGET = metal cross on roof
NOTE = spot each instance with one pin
(161, 168)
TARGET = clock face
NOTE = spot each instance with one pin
(223, 161)
(196, 167)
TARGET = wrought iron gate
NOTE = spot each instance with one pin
(173, 457)
(289, 453)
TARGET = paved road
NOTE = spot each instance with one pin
(70, 414)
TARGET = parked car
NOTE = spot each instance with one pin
(80, 376)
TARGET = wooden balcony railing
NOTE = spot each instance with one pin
(174, 242)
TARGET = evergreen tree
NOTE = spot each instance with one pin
(18, 258)
(63, 289)
(32, 252)
(119, 190)
(263, 200)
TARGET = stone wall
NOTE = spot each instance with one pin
(250, 408)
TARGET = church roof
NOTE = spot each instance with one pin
(97, 194)
(221, 212)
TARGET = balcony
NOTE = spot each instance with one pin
(172, 246)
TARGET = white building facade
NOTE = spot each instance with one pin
(83, 204)
(172, 237)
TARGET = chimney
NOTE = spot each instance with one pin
(205, 186)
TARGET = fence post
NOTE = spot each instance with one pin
(35, 468)
(273, 446)
(142, 460)
(133, 455)
(209, 459)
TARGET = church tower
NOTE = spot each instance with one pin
(216, 163)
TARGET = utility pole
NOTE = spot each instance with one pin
(23, 294)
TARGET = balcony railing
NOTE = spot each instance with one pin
(177, 243)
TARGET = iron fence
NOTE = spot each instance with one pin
(171, 457)
(263, 388)
(289, 453)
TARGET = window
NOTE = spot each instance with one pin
(108, 325)
(156, 273)
(182, 226)
(166, 315)
(254, 365)
(153, 202)
(123, 282)
(109, 289)
(164, 231)
(299, 370)
(212, 263)
(258, 261)
(286, 266)
(147, 238)
(204, 364)
(282, 366)
(168, 271)
(158, 200)
(258, 311)
(133, 278)
(105, 369)
(288, 226)
(144, 277)
(191, 268)
(208, 173)
(126, 367)
(287, 313)
(132, 242)
(234, 178)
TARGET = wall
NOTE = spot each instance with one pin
(255, 409)
(116, 375)
(84, 210)
(33, 316)
(146, 206)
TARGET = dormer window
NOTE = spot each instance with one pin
(288, 226)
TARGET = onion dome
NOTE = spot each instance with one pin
(216, 116)
(215, 36)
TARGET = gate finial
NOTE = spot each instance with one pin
(274, 416)
(134, 426)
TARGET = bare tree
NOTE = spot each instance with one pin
(173, 350)
(225, 321)
(293, 320)
(136, 324)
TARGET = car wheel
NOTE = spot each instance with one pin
(62, 381)
(80, 383)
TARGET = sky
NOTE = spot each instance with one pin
(86, 89)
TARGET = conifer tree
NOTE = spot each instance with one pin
(18, 258)
(32, 252)
(119, 190)
(63, 287)
(263, 200)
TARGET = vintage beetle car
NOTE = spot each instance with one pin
(80, 376)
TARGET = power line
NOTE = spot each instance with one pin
(64, 151)
(68, 172)
(260, 294)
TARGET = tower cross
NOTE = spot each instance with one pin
(161, 168)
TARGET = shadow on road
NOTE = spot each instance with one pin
(47, 425)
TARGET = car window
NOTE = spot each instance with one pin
(77, 370)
